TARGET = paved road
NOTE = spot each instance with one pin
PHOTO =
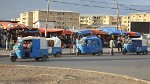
(132, 65)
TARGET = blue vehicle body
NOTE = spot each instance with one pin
(136, 45)
(38, 50)
(89, 45)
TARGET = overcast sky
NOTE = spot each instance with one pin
(12, 8)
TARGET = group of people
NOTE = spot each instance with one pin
(27, 45)
(120, 42)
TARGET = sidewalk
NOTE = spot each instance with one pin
(66, 51)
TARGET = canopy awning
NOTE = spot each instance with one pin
(67, 32)
(112, 31)
(96, 31)
(134, 34)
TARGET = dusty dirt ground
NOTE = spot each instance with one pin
(44, 75)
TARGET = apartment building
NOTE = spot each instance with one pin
(16, 19)
(62, 19)
(134, 17)
(86, 21)
(125, 22)
(26, 18)
(99, 20)
(139, 17)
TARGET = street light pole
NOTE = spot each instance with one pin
(47, 16)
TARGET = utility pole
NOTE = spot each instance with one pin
(47, 17)
(117, 13)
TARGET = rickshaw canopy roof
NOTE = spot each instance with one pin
(57, 41)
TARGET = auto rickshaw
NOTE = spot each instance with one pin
(137, 45)
(89, 45)
(39, 49)
(54, 45)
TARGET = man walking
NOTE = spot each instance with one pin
(112, 45)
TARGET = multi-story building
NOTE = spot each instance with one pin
(26, 18)
(134, 17)
(85, 21)
(125, 22)
(139, 17)
(16, 19)
(62, 19)
(107, 20)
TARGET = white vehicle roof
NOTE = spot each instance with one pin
(144, 41)
(43, 42)
(57, 41)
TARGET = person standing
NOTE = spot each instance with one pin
(119, 42)
(8, 36)
(112, 45)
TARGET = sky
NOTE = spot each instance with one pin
(12, 8)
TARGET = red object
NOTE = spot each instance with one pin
(68, 32)
(131, 33)
(50, 30)
(96, 31)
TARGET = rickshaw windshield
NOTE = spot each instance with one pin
(19, 42)
(81, 41)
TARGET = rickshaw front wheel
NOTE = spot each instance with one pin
(57, 55)
(137, 53)
(99, 53)
(44, 58)
(124, 52)
(144, 52)
(37, 59)
(13, 58)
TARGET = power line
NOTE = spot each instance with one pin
(128, 8)
(114, 3)
(122, 5)
(98, 2)
(82, 4)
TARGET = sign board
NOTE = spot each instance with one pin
(43, 25)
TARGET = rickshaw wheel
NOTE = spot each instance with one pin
(145, 52)
(93, 53)
(44, 58)
(13, 58)
(124, 52)
(99, 53)
(37, 59)
(57, 55)
(137, 53)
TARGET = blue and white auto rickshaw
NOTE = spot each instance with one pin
(137, 45)
(54, 45)
(37, 47)
(89, 45)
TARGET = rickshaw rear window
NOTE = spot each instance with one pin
(81, 41)
(18, 42)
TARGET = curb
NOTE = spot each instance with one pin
(7, 55)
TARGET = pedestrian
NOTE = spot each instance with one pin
(119, 42)
(8, 41)
(112, 45)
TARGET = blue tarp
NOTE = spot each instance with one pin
(80, 32)
(83, 32)
(113, 31)
(32, 31)
(138, 34)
